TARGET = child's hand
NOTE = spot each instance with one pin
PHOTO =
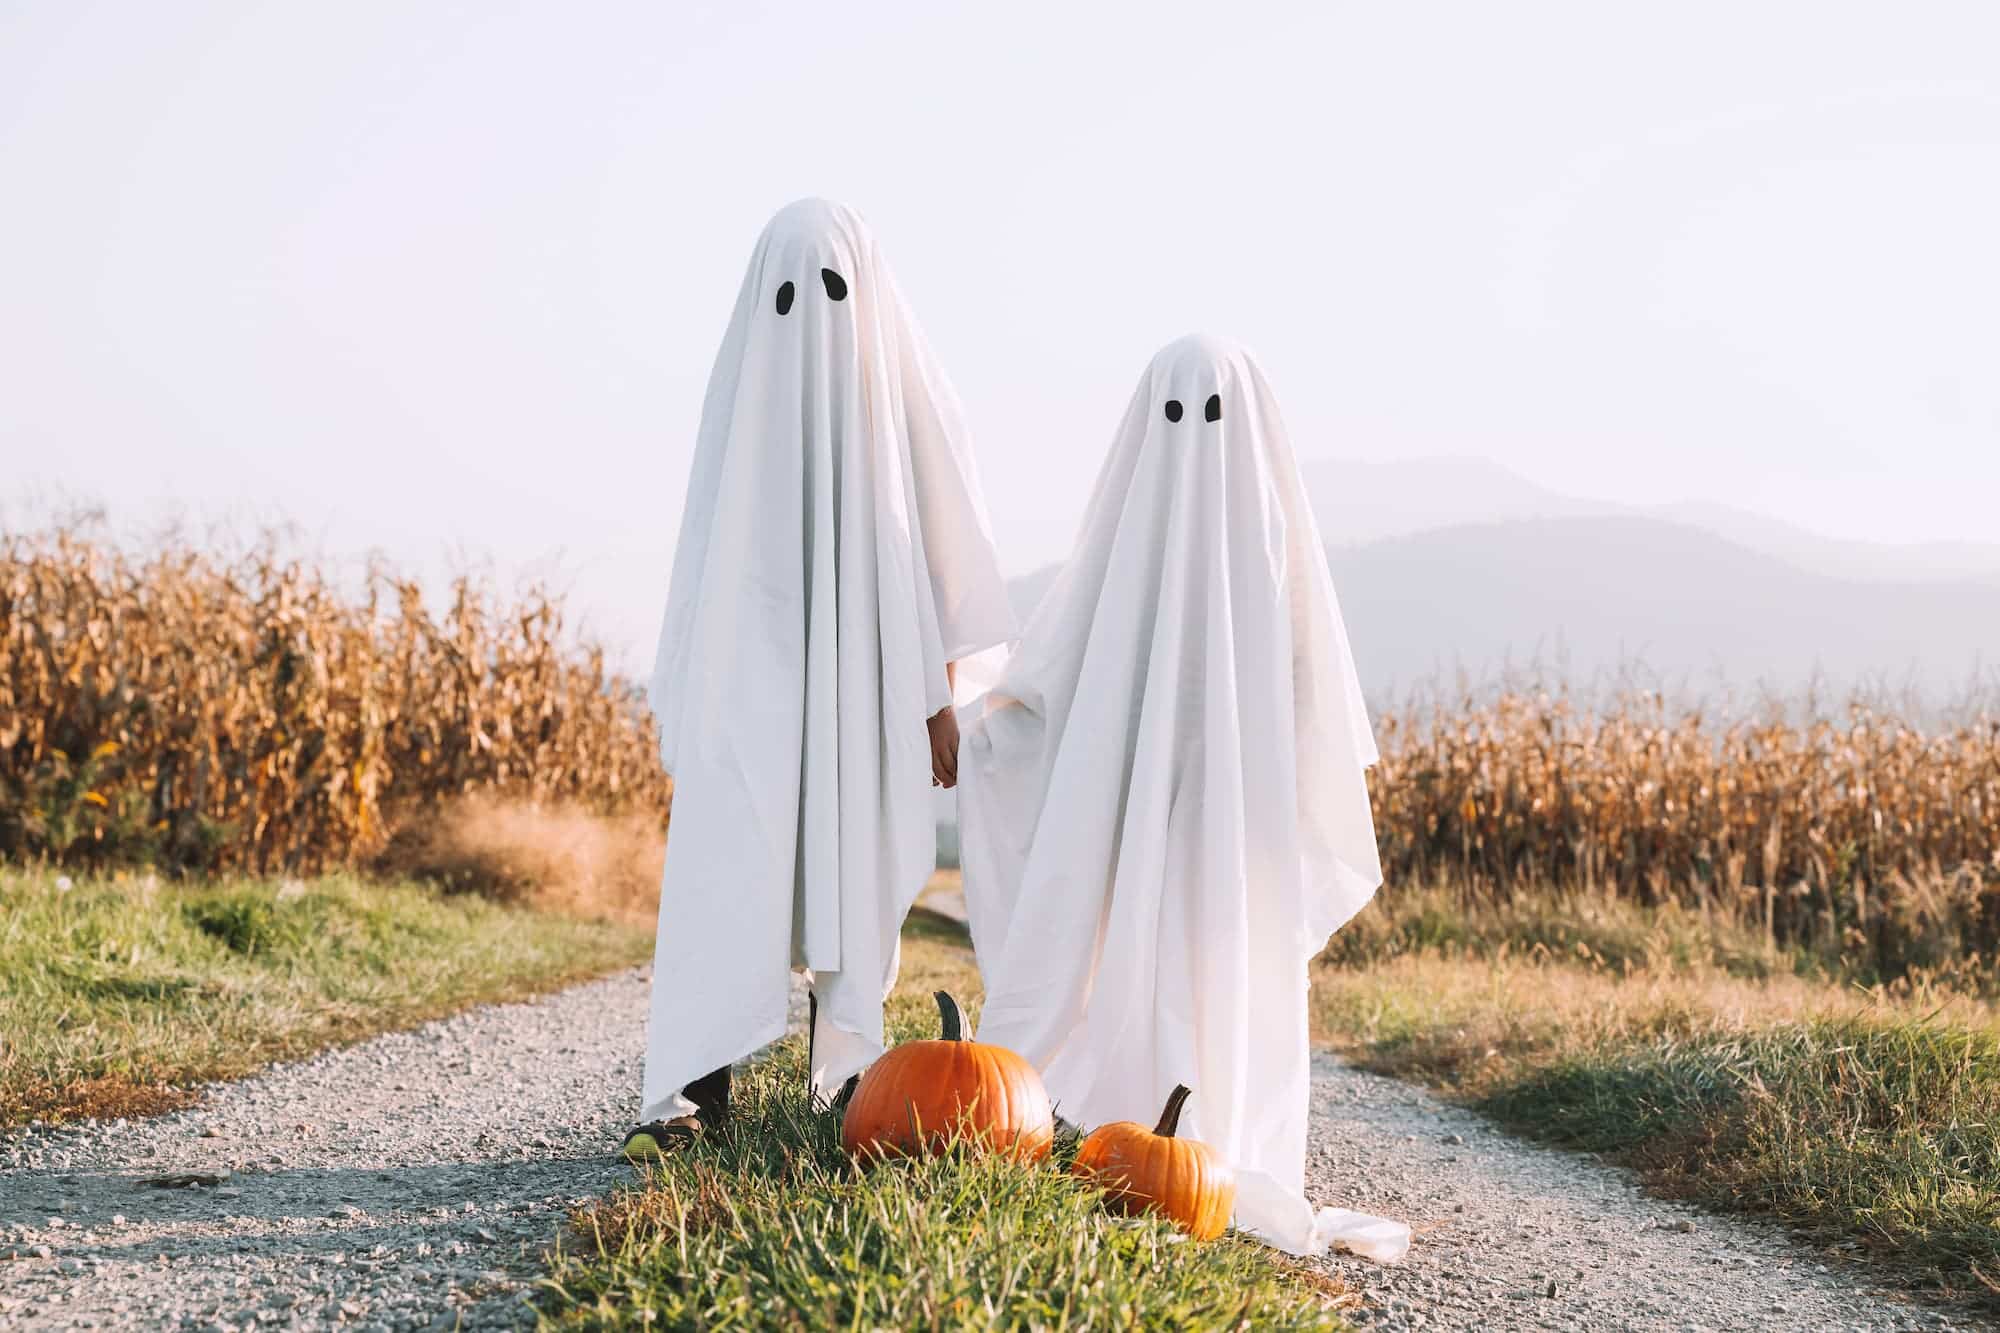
(944, 748)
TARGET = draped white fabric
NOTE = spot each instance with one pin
(1163, 802)
(834, 555)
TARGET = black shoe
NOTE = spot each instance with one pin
(710, 1095)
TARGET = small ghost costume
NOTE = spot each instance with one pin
(834, 555)
(1163, 802)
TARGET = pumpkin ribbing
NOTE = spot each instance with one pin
(924, 1095)
(1154, 1171)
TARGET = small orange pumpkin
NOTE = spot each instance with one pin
(923, 1094)
(1143, 1170)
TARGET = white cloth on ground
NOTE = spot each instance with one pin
(1164, 809)
(834, 555)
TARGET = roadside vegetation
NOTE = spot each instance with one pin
(1749, 951)
(117, 994)
(252, 809)
(1866, 1116)
(234, 707)
(773, 1227)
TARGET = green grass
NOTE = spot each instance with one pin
(116, 993)
(1867, 1119)
(773, 1227)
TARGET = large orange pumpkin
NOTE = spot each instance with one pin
(923, 1094)
(1142, 1170)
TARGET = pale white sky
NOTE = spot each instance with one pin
(450, 276)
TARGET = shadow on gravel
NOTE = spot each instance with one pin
(320, 1211)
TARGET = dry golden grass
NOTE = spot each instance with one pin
(112, 1097)
(556, 858)
(1466, 1023)
(241, 712)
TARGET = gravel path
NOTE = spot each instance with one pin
(1512, 1236)
(412, 1181)
(408, 1182)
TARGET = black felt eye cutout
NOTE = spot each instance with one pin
(1213, 410)
(836, 286)
(1173, 409)
(785, 295)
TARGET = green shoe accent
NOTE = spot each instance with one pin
(650, 1143)
(642, 1147)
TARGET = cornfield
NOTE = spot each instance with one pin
(211, 712)
(1861, 837)
(241, 712)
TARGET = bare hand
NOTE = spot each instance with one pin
(944, 748)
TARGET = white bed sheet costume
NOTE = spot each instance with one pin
(1163, 802)
(834, 555)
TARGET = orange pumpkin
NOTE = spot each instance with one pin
(1143, 1170)
(923, 1094)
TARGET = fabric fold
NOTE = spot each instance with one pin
(1282, 1218)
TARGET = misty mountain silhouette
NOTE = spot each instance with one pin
(1363, 502)
(1585, 596)
(1456, 565)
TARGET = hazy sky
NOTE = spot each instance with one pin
(439, 277)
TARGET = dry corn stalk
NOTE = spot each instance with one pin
(1807, 829)
(218, 712)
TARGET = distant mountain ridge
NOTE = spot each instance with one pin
(1585, 597)
(1358, 502)
(1448, 566)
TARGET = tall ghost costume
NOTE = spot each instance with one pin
(1163, 803)
(834, 555)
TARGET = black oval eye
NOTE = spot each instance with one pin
(1213, 411)
(836, 286)
(1173, 409)
(785, 295)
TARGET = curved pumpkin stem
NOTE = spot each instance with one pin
(953, 1020)
(1170, 1119)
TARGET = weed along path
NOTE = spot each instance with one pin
(413, 1182)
